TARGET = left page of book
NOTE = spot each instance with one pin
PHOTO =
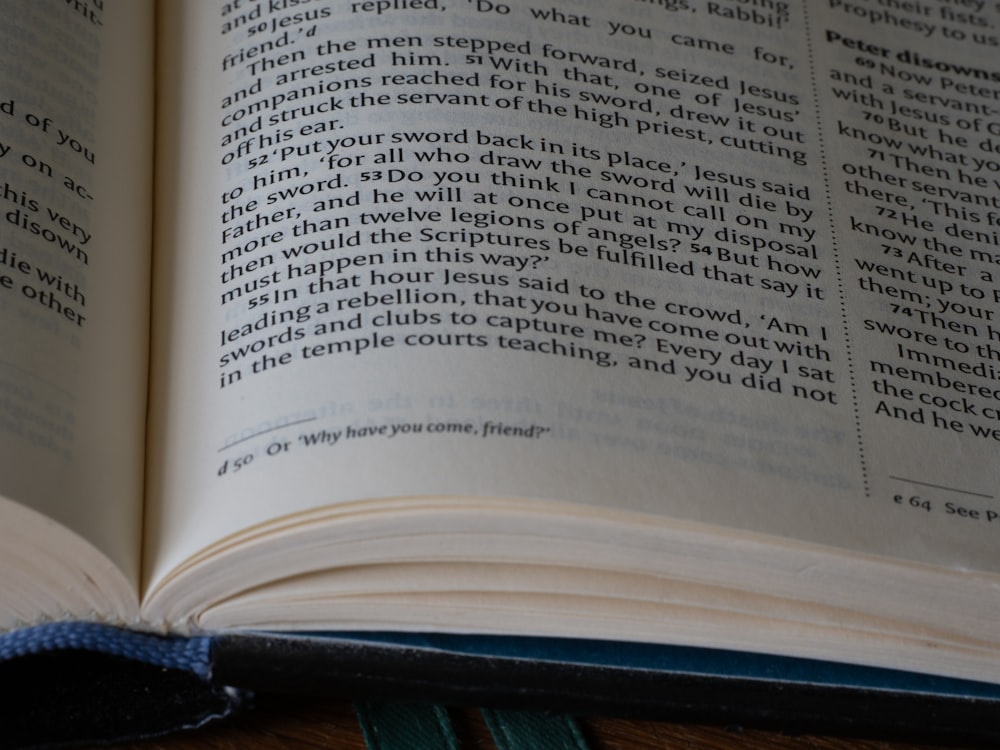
(76, 185)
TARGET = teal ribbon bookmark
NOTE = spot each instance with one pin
(392, 726)
(399, 726)
(532, 730)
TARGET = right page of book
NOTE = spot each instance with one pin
(732, 262)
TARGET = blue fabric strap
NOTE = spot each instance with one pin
(190, 654)
(531, 730)
(398, 726)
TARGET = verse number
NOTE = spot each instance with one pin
(914, 501)
(233, 465)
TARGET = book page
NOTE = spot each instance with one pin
(702, 260)
(75, 244)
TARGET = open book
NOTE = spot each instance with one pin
(668, 322)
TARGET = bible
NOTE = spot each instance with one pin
(660, 324)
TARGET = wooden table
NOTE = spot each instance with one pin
(312, 723)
